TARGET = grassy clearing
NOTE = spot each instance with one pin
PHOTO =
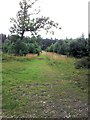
(44, 86)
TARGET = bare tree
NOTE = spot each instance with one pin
(24, 21)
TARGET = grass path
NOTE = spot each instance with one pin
(44, 87)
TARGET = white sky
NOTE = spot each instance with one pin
(72, 15)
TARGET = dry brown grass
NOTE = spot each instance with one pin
(31, 55)
(56, 56)
(44, 53)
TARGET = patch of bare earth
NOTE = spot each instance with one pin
(42, 102)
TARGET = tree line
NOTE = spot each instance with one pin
(71, 47)
(79, 47)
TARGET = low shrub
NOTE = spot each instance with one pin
(83, 63)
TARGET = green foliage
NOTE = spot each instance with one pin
(73, 47)
(83, 63)
(15, 46)
(20, 48)
(56, 47)
(7, 47)
(51, 48)
(78, 48)
(60, 47)
(44, 43)
(34, 48)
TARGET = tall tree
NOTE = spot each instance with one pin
(24, 21)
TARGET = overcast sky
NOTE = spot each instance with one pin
(72, 15)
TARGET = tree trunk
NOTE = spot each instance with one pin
(22, 34)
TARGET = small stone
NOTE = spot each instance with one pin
(44, 102)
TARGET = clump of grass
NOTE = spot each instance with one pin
(7, 57)
(56, 59)
(56, 56)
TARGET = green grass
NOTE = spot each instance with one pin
(43, 87)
